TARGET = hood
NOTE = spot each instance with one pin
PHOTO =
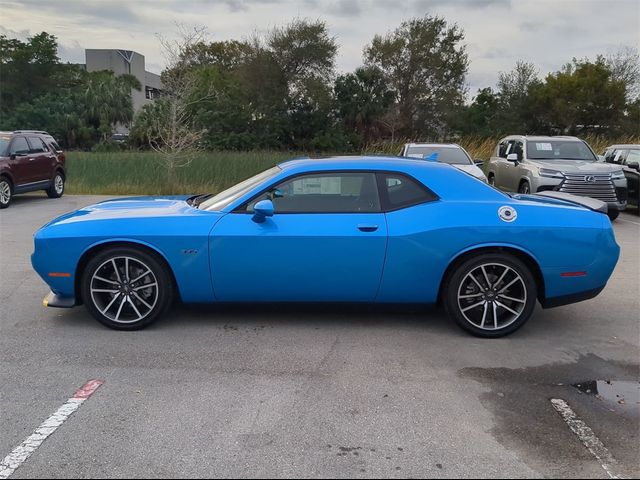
(576, 166)
(131, 208)
(472, 170)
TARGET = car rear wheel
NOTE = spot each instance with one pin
(524, 188)
(126, 289)
(56, 190)
(491, 295)
(6, 192)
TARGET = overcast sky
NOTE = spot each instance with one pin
(498, 32)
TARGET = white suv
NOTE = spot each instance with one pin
(450, 153)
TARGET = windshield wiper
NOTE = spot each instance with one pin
(196, 201)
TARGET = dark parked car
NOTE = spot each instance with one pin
(30, 160)
(629, 157)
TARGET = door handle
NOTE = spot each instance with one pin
(367, 228)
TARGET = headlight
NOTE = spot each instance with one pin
(619, 175)
(544, 172)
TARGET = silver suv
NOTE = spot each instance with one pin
(526, 164)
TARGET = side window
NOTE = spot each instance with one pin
(19, 146)
(518, 149)
(53, 145)
(345, 192)
(621, 157)
(502, 149)
(510, 147)
(400, 191)
(37, 145)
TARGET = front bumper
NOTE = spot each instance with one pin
(58, 301)
(614, 195)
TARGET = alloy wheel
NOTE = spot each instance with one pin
(492, 296)
(124, 289)
(5, 192)
(58, 184)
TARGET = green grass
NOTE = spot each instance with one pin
(133, 173)
(140, 173)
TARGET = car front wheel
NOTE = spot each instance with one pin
(491, 295)
(126, 289)
(524, 188)
(5, 193)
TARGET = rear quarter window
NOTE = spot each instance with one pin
(401, 191)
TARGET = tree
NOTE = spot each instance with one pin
(582, 97)
(513, 113)
(27, 69)
(425, 63)
(624, 65)
(108, 101)
(362, 100)
(480, 117)
(172, 132)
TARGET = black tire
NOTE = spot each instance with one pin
(56, 190)
(6, 192)
(524, 188)
(492, 180)
(525, 290)
(613, 214)
(132, 298)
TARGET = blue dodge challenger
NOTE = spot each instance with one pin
(352, 229)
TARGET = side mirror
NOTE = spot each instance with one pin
(262, 210)
(634, 165)
(13, 156)
(601, 158)
(513, 157)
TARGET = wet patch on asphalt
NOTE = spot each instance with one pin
(526, 423)
(614, 391)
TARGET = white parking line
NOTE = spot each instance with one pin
(22, 452)
(587, 437)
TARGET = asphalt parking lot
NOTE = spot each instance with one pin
(312, 392)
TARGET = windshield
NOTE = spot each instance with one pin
(223, 199)
(4, 145)
(452, 156)
(559, 150)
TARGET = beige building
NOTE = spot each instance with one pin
(123, 62)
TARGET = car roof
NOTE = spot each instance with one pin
(443, 145)
(363, 162)
(544, 137)
(623, 145)
(31, 132)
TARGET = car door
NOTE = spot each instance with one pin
(20, 161)
(325, 242)
(42, 160)
(505, 148)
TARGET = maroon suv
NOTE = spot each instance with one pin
(30, 160)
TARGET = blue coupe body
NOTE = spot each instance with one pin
(383, 250)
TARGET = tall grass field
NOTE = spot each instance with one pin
(140, 173)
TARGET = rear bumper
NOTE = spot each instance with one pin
(58, 301)
(568, 299)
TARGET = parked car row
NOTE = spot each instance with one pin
(30, 160)
(532, 164)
